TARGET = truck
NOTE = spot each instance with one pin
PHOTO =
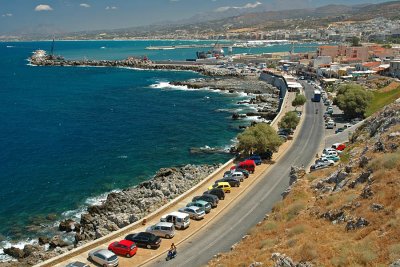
(317, 96)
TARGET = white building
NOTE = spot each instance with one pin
(394, 68)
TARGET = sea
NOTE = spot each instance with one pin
(70, 135)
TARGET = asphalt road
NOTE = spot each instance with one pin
(233, 224)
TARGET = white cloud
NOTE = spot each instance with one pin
(84, 5)
(246, 6)
(111, 8)
(43, 8)
(7, 15)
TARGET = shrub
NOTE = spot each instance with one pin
(267, 243)
(308, 252)
(298, 229)
(270, 226)
(294, 210)
(289, 121)
(394, 251)
(299, 100)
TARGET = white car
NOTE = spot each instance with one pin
(326, 161)
(330, 153)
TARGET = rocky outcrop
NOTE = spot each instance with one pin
(130, 205)
(281, 260)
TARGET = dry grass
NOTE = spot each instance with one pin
(392, 86)
(295, 228)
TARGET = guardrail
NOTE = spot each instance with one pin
(105, 239)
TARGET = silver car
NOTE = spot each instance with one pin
(162, 229)
(194, 212)
(76, 264)
(104, 257)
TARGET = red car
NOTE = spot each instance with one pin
(123, 247)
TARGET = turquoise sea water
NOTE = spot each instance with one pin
(68, 135)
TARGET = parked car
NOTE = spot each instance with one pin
(218, 192)
(223, 185)
(123, 247)
(77, 264)
(267, 155)
(356, 120)
(283, 137)
(201, 204)
(212, 199)
(162, 229)
(332, 157)
(339, 130)
(317, 167)
(256, 158)
(179, 219)
(233, 182)
(330, 153)
(248, 165)
(325, 160)
(104, 257)
(245, 173)
(194, 212)
(236, 175)
(339, 146)
(347, 125)
(145, 239)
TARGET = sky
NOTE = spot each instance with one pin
(25, 16)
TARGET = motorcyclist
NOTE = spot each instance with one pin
(316, 111)
(172, 250)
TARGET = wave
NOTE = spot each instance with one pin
(7, 244)
(91, 201)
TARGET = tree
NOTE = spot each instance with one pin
(259, 139)
(299, 100)
(353, 100)
(355, 41)
(289, 121)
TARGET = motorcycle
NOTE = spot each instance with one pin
(171, 255)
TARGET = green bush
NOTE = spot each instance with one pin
(353, 100)
(259, 139)
(289, 121)
(299, 100)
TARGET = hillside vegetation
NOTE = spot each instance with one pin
(383, 97)
(348, 215)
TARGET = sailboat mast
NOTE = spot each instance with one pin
(52, 47)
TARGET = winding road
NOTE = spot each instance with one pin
(235, 222)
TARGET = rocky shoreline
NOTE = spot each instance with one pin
(265, 97)
(131, 205)
(117, 211)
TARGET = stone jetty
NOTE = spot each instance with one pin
(42, 59)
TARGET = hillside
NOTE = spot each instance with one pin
(348, 215)
(262, 20)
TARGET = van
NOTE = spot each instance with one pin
(249, 165)
(330, 125)
(179, 219)
(162, 229)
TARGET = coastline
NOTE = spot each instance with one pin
(64, 247)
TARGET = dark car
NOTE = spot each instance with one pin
(232, 181)
(266, 155)
(257, 159)
(77, 264)
(212, 199)
(339, 130)
(144, 239)
(216, 192)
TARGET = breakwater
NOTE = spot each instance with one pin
(133, 62)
